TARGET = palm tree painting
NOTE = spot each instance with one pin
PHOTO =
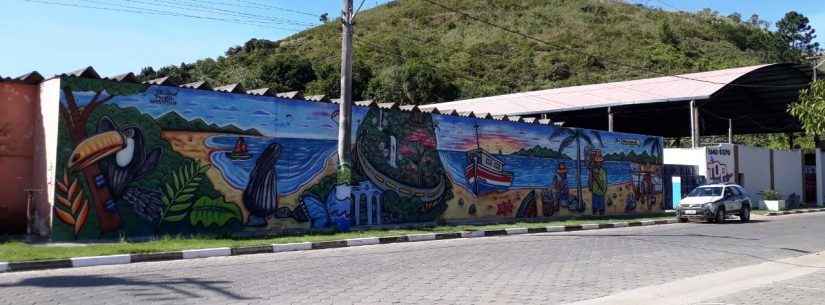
(569, 136)
(655, 146)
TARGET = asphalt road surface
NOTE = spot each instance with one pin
(589, 267)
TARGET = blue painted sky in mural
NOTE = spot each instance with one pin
(458, 134)
(274, 117)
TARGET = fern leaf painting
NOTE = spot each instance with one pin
(71, 207)
(208, 212)
(178, 192)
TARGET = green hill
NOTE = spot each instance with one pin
(410, 51)
(541, 152)
(173, 121)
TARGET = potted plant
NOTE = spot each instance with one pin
(772, 200)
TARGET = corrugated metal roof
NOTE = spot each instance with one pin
(694, 86)
(317, 98)
(261, 91)
(295, 95)
(32, 78)
(159, 81)
(197, 85)
(231, 88)
(125, 77)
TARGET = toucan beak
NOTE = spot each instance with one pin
(94, 148)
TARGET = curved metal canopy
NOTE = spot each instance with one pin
(755, 98)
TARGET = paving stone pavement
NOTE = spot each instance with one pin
(550, 268)
(803, 290)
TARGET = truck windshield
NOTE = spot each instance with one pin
(706, 192)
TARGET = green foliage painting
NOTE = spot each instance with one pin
(209, 212)
(180, 191)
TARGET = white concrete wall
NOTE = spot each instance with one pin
(46, 161)
(754, 165)
(688, 156)
(787, 172)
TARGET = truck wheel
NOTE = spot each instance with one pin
(745, 214)
(720, 215)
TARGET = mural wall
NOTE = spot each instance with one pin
(141, 160)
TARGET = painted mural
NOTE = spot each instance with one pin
(138, 160)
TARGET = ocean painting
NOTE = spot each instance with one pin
(301, 160)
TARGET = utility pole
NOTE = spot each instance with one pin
(345, 108)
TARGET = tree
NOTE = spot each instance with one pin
(412, 83)
(291, 72)
(654, 144)
(570, 135)
(810, 109)
(795, 30)
(147, 73)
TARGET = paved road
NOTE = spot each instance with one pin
(552, 268)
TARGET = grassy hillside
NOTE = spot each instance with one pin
(412, 52)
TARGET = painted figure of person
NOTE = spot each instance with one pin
(560, 190)
(597, 182)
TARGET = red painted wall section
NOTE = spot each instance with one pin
(20, 104)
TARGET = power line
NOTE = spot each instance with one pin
(359, 7)
(219, 11)
(260, 5)
(575, 50)
(153, 12)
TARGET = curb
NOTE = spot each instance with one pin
(795, 212)
(123, 259)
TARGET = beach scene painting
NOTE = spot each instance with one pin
(138, 160)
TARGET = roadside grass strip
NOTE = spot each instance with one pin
(161, 252)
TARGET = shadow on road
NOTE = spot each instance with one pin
(148, 288)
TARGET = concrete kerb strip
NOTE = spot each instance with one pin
(795, 212)
(291, 247)
(303, 246)
(204, 253)
(515, 231)
(421, 237)
(355, 242)
(101, 260)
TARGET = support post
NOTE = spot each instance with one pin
(345, 108)
(610, 119)
(791, 140)
(694, 125)
(730, 131)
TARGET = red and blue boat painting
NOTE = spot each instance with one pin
(484, 172)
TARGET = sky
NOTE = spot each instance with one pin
(41, 35)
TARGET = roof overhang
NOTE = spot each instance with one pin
(755, 97)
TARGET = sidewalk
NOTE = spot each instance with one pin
(18, 256)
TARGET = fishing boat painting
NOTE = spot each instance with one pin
(240, 152)
(485, 173)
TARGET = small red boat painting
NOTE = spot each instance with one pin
(240, 152)
(484, 172)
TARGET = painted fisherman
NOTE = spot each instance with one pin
(560, 191)
(597, 181)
